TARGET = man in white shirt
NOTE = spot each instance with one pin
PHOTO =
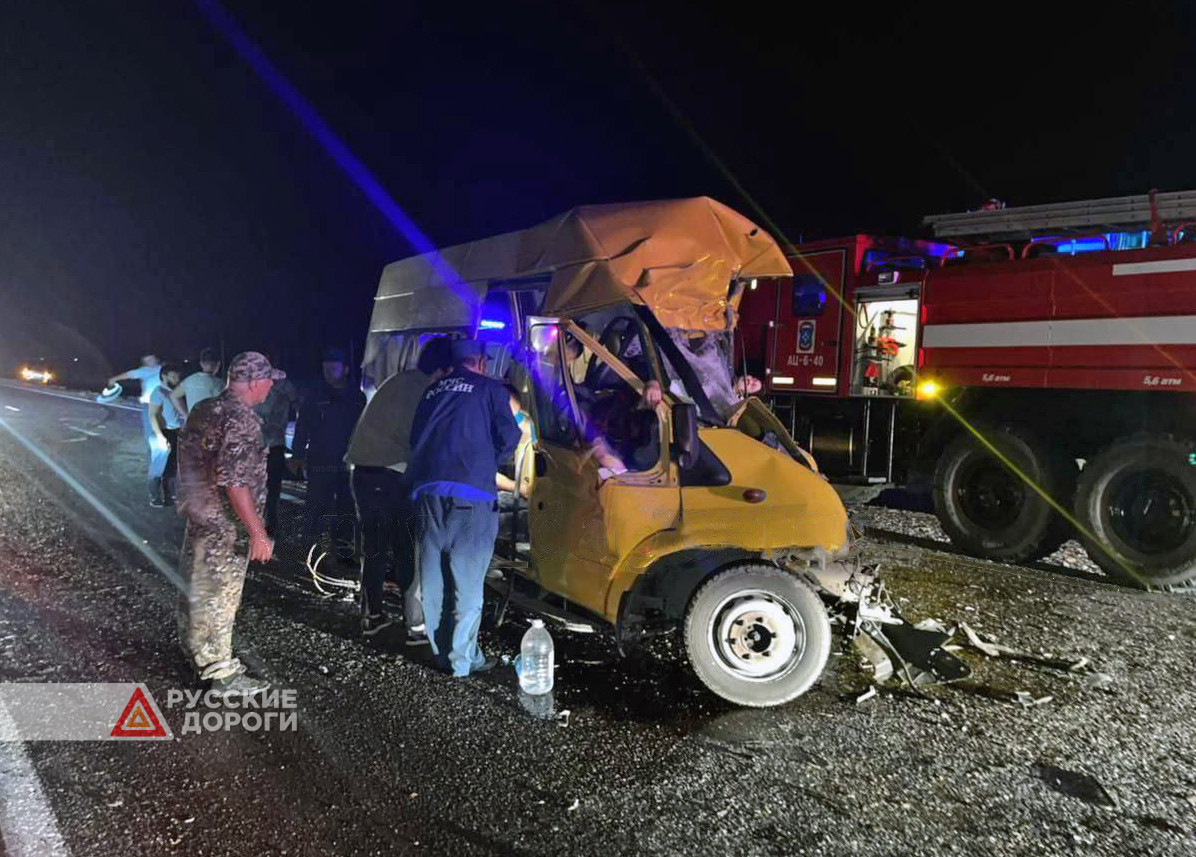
(149, 376)
(379, 452)
(165, 422)
(197, 386)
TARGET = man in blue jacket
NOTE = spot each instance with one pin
(463, 430)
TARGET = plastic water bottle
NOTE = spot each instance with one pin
(536, 659)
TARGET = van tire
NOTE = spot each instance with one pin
(1151, 471)
(745, 615)
(988, 511)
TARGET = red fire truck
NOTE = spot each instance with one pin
(1031, 368)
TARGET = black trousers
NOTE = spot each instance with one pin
(329, 507)
(387, 546)
(162, 487)
(276, 465)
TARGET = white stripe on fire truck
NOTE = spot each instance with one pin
(1153, 330)
(1166, 266)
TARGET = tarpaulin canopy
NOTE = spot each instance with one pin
(677, 257)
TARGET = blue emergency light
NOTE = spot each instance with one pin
(1073, 247)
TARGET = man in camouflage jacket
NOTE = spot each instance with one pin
(222, 478)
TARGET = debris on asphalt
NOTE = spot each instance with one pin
(1096, 681)
(924, 650)
(995, 650)
(975, 642)
(924, 654)
(562, 718)
(1028, 700)
(573, 806)
(875, 658)
(1082, 786)
(932, 625)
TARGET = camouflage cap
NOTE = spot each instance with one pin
(253, 366)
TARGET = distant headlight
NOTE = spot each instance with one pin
(34, 375)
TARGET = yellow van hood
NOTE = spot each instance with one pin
(800, 509)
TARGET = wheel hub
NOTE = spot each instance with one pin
(1151, 511)
(989, 495)
(757, 635)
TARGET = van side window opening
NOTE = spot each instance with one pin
(498, 329)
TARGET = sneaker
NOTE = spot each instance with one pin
(238, 685)
(372, 624)
(486, 666)
(157, 502)
(416, 636)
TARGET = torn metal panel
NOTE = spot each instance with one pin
(924, 650)
(679, 258)
(883, 636)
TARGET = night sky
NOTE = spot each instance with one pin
(155, 194)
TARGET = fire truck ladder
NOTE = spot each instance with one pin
(1113, 214)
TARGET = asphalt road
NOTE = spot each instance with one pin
(390, 757)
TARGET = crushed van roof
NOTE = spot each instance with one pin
(677, 257)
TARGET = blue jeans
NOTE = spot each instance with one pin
(157, 457)
(456, 541)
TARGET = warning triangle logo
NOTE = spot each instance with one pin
(139, 719)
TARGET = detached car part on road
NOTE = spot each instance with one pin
(700, 512)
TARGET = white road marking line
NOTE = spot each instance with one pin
(11, 408)
(26, 821)
(108, 515)
(71, 398)
(66, 421)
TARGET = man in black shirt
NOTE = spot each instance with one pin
(322, 432)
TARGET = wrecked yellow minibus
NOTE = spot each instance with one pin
(696, 512)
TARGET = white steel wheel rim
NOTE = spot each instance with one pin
(756, 635)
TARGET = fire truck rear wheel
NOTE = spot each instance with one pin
(756, 635)
(1136, 504)
(988, 510)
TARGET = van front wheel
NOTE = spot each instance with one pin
(757, 636)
